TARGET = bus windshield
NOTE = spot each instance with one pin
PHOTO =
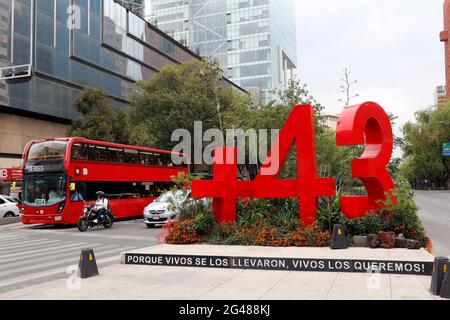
(44, 191)
(48, 150)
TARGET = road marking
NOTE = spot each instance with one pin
(48, 257)
(26, 243)
(12, 226)
(55, 263)
(35, 253)
(22, 241)
(93, 235)
(34, 276)
(14, 238)
(30, 244)
(6, 235)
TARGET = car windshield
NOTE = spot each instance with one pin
(44, 191)
(48, 150)
(177, 197)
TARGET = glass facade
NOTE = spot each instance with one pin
(254, 40)
(71, 44)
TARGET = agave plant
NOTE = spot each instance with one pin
(329, 208)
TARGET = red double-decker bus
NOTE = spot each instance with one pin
(60, 174)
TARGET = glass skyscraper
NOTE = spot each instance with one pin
(254, 40)
(51, 49)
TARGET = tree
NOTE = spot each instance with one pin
(180, 95)
(346, 88)
(297, 93)
(423, 162)
(100, 120)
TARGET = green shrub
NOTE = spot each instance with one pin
(400, 216)
(329, 213)
(204, 222)
(373, 222)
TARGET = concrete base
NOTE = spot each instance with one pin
(175, 283)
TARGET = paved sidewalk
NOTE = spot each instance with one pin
(124, 282)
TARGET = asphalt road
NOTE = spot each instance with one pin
(35, 254)
(435, 215)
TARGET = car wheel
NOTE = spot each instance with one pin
(150, 226)
(10, 215)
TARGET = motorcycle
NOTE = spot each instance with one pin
(90, 215)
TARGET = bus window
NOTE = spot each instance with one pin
(98, 153)
(115, 155)
(77, 191)
(48, 150)
(160, 187)
(44, 191)
(114, 190)
(167, 160)
(162, 159)
(146, 158)
(80, 152)
(156, 159)
(132, 156)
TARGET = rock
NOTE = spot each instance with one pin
(360, 242)
(373, 241)
(400, 242)
(412, 244)
(387, 239)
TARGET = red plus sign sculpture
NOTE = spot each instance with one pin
(225, 189)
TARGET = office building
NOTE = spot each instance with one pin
(445, 36)
(440, 95)
(52, 49)
(330, 120)
(254, 40)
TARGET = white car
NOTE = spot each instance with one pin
(161, 211)
(8, 207)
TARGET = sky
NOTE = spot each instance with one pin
(391, 47)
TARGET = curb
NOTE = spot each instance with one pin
(6, 221)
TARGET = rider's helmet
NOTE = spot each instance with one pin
(100, 194)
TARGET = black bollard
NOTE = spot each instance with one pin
(445, 288)
(88, 265)
(438, 275)
(338, 238)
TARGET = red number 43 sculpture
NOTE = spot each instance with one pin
(366, 124)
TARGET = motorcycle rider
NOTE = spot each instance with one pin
(101, 205)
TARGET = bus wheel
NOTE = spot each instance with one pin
(82, 224)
